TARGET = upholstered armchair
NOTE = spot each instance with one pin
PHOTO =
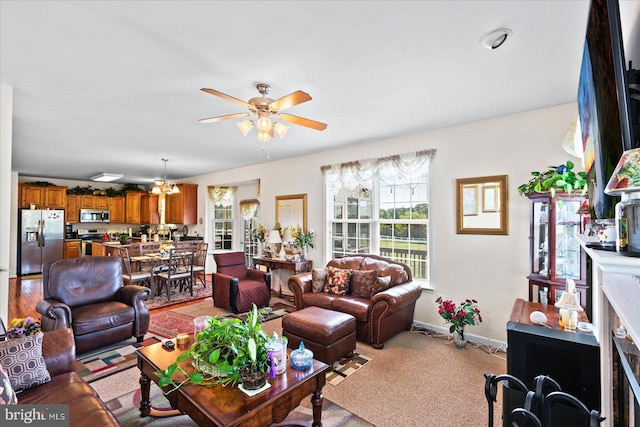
(87, 295)
(237, 287)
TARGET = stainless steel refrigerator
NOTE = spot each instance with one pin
(41, 239)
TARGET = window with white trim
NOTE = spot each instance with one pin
(221, 217)
(381, 206)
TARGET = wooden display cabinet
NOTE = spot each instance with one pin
(117, 209)
(555, 253)
(182, 208)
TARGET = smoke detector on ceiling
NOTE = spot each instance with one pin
(496, 38)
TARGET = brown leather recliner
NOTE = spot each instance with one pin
(87, 295)
(237, 287)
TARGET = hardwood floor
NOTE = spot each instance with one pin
(25, 292)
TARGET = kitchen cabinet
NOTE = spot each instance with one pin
(72, 210)
(132, 206)
(182, 208)
(555, 253)
(98, 249)
(51, 197)
(72, 248)
(87, 201)
(102, 202)
(117, 209)
(149, 209)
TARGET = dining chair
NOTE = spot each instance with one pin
(199, 263)
(177, 271)
(129, 276)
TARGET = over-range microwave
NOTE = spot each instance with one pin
(92, 215)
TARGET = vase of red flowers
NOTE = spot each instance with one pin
(467, 313)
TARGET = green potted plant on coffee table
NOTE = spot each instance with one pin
(228, 351)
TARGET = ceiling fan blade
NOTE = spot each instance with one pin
(227, 117)
(302, 121)
(288, 101)
(227, 97)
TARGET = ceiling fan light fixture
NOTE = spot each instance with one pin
(280, 129)
(264, 123)
(264, 136)
(245, 126)
(496, 38)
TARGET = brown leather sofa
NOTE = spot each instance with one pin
(66, 387)
(379, 317)
(87, 295)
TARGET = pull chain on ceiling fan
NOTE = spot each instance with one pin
(265, 108)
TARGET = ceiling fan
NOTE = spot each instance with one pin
(266, 108)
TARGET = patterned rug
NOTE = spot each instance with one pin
(121, 394)
(100, 365)
(169, 323)
(345, 367)
(199, 292)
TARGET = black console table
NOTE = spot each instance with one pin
(570, 358)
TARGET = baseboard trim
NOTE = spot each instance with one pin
(500, 345)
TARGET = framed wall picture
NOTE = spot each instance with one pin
(492, 217)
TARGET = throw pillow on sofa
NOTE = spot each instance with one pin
(362, 282)
(7, 396)
(337, 281)
(23, 361)
(318, 279)
(382, 283)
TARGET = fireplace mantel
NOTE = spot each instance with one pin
(615, 294)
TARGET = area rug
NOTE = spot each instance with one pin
(199, 292)
(346, 367)
(121, 394)
(171, 322)
(94, 367)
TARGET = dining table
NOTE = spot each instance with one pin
(154, 262)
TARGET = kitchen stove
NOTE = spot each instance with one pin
(88, 236)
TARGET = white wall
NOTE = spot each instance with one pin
(6, 115)
(491, 269)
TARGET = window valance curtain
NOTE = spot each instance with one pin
(360, 173)
(221, 195)
(248, 208)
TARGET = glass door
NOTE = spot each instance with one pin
(567, 257)
(540, 243)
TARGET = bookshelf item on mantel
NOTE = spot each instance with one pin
(555, 255)
(615, 284)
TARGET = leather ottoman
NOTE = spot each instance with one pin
(329, 334)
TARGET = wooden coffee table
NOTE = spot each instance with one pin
(229, 406)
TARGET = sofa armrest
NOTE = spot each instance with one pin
(300, 284)
(398, 296)
(55, 314)
(59, 351)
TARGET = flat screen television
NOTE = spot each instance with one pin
(604, 104)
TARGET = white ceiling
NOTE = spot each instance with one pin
(106, 86)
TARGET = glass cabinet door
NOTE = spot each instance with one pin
(567, 256)
(540, 243)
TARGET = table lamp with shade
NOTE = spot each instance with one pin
(625, 182)
(286, 239)
(273, 240)
(569, 305)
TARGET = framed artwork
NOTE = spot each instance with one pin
(291, 211)
(493, 216)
